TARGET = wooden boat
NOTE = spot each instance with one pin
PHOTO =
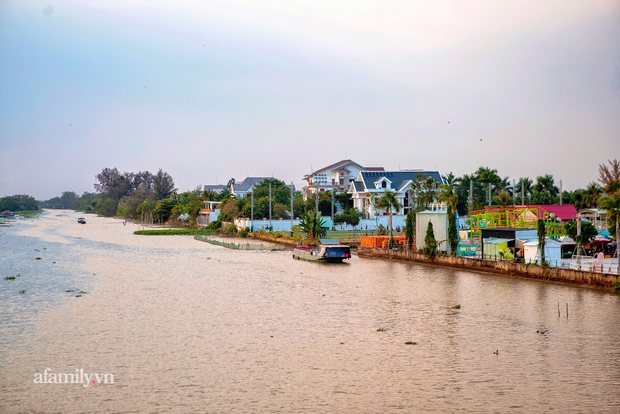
(329, 251)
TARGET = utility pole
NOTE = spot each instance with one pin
(292, 195)
(522, 192)
(270, 224)
(489, 196)
(560, 192)
(514, 195)
(252, 214)
(471, 197)
(333, 228)
(316, 199)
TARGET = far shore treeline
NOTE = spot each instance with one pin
(153, 197)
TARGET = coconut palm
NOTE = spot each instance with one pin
(524, 186)
(503, 198)
(452, 181)
(311, 223)
(611, 204)
(448, 196)
(609, 176)
(591, 195)
(389, 202)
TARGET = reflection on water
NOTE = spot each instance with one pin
(185, 326)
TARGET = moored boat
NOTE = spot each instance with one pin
(328, 250)
(7, 213)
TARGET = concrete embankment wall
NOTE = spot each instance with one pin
(554, 274)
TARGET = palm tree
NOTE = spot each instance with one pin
(592, 193)
(503, 198)
(311, 223)
(524, 186)
(611, 204)
(448, 195)
(451, 180)
(609, 177)
(389, 202)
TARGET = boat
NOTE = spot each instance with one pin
(7, 213)
(81, 220)
(328, 251)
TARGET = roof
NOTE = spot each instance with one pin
(496, 241)
(329, 241)
(564, 211)
(218, 188)
(398, 178)
(248, 182)
(359, 186)
(343, 163)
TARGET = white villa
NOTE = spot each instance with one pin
(373, 184)
(337, 176)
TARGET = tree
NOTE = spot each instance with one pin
(389, 202)
(524, 187)
(311, 223)
(503, 198)
(609, 176)
(451, 181)
(591, 195)
(163, 185)
(541, 241)
(410, 228)
(611, 204)
(430, 244)
(588, 231)
(545, 191)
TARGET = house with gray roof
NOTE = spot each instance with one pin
(371, 185)
(246, 186)
(337, 177)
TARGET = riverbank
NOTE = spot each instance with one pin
(552, 274)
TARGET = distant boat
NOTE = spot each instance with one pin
(81, 220)
(7, 213)
(329, 251)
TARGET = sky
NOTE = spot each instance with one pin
(210, 90)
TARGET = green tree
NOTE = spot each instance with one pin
(609, 176)
(541, 240)
(389, 202)
(163, 185)
(503, 198)
(311, 223)
(611, 204)
(588, 231)
(430, 244)
(410, 228)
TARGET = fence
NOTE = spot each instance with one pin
(239, 246)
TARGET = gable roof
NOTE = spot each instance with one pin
(398, 178)
(217, 188)
(340, 164)
(248, 182)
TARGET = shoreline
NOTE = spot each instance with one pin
(599, 281)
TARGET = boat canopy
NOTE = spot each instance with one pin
(329, 241)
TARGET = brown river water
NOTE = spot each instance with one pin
(185, 326)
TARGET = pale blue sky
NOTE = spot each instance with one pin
(209, 90)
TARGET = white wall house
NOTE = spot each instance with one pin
(371, 185)
(337, 176)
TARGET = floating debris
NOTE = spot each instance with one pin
(22, 291)
(411, 343)
(38, 258)
(381, 330)
(9, 278)
(457, 306)
(496, 352)
(70, 290)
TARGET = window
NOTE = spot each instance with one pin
(383, 184)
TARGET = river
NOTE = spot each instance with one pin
(185, 326)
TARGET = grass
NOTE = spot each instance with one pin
(616, 287)
(173, 232)
(28, 213)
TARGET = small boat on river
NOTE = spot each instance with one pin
(328, 250)
(81, 220)
(6, 214)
